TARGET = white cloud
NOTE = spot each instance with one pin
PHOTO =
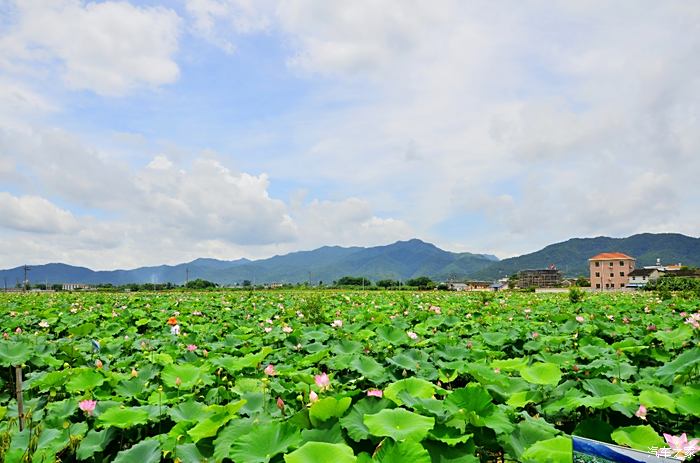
(109, 47)
(219, 20)
(34, 214)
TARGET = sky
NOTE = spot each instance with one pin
(154, 132)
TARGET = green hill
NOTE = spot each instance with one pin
(571, 256)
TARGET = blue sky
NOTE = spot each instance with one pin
(139, 133)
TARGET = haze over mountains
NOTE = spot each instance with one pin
(401, 260)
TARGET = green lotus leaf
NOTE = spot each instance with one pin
(189, 411)
(680, 365)
(236, 364)
(541, 373)
(402, 452)
(188, 453)
(123, 418)
(655, 399)
(321, 452)
(399, 424)
(415, 387)
(146, 451)
(327, 408)
(210, 426)
(512, 364)
(95, 442)
(228, 436)
(264, 441)
(353, 422)
(637, 437)
(84, 380)
(332, 435)
(689, 401)
(14, 353)
(369, 368)
(556, 450)
(184, 376)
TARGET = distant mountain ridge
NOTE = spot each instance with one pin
(400, 261)
(571, 256)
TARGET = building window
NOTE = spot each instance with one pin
(622, 263)
(612, 275)
(597, 274)
(597, 285)
(597, 264)
(622, 285)
(610, 264)
(612, 285)
(622, 274)
(607, 285)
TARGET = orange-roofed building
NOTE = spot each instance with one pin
(610, 270)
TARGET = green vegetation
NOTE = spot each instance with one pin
(311, 376)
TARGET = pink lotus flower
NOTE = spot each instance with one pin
(287, 329)
(412, 335)
(580, 319)
(268, 329)
(88, 406)
(178, 381)
(651, 327)
(270, 370)
(375, 393)
(18, 330)
(313, 397)
(641, 413)
(337, 323)
(535, 335)
(98, 363)
(322, 381)
(280, 403)
(205, 353)
(681, 446)
(191, 347)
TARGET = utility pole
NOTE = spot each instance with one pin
(26, 281)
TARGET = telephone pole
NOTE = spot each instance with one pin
(26, 280)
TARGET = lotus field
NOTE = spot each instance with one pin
(323, 376)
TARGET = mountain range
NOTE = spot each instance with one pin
(400, 261)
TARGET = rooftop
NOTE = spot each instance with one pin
(642, 272)
(611, 256)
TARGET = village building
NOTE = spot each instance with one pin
(469, 286)
(639, 277)
(74, 286)
(610, 270)
(540, 278)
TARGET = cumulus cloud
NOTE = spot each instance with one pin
(166, 210)
(34, 214)
(108, 47)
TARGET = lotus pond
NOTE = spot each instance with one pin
(322, 376)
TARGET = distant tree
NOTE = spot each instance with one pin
(200, 284)
(582, 282)
(387, 283)
(354, 281)
(246, 283)
(40, 286)
(57, 287)
(421, 282)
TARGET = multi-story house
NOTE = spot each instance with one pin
(610, 270)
